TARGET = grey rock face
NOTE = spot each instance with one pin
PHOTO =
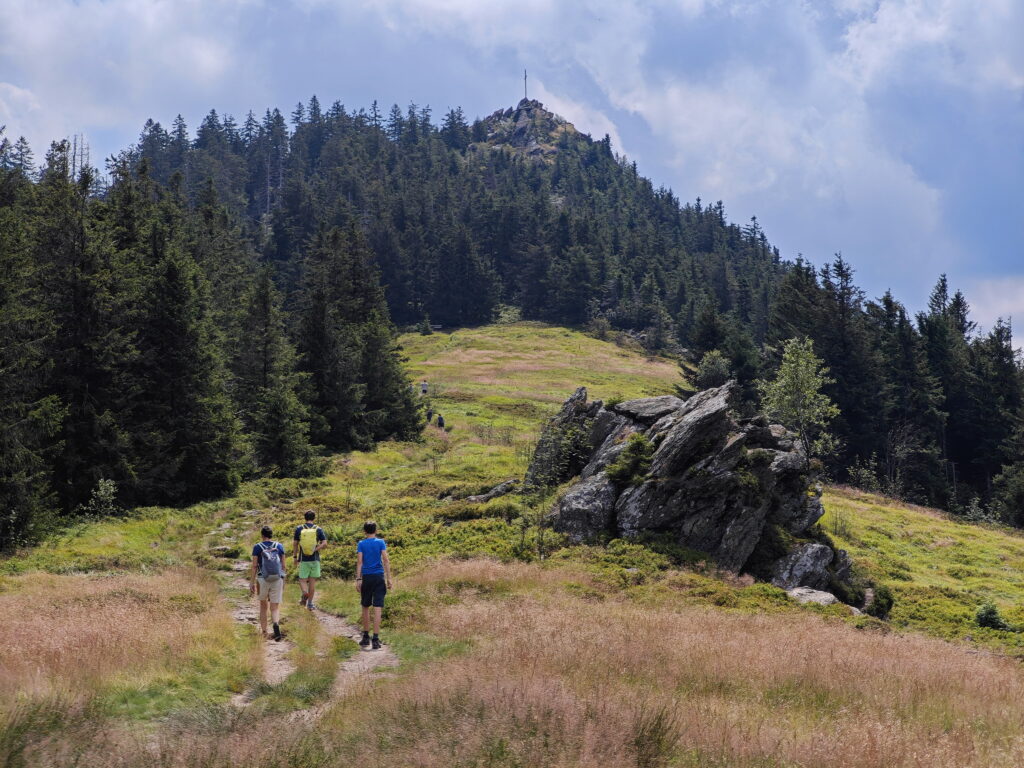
(650, 409)
(806, 566)
(715, 484)
(588, 509)
(609, 448)
(565, 445)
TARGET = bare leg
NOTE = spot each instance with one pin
(263, 617)
(376, 620)
(366, 619)
(310, 589)
(275, 613)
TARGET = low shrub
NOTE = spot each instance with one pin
(988, 616)
(883, 602)
(630, 468)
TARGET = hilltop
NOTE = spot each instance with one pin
(529, 129)
(514, 647)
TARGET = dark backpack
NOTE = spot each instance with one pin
(271, 568)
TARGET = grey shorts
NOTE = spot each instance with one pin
(272, 591)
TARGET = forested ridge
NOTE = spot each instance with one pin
(146, 357)
(223, 304)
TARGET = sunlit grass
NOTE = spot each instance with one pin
(940, 569)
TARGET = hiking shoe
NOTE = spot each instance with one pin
(309, 604)
(303, 599)
(376, 643)
(366, 639)
(277, 633)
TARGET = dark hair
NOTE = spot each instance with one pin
(369, 527)
(310, 514)
(267, 532)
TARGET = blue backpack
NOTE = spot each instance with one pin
(270, 564)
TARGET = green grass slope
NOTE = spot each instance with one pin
(939, 569)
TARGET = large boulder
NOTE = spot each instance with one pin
(805, 566)
(588, 508)
(731, 488)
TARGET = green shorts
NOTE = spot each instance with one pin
(309, 569)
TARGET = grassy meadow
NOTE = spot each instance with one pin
(514, 649)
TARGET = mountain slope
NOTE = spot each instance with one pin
(463, 218)
(614, 655)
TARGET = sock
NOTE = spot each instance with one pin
(375, 636)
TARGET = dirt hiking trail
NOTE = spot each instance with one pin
(357, 670)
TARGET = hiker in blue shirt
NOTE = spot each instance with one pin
(373, 580)
(266, 577)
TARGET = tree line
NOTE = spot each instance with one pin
(450, 225)
(145, 346)
(930, 409)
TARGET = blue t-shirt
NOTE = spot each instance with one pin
(371, 549)
(257, 551)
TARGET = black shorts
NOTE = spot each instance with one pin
(373, 590)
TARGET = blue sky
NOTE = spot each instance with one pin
(892, 131)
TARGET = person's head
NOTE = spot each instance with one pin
(310, 516)
(267, 532)
(370, 528)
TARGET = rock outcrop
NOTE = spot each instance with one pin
(736, 489)
(528, 129)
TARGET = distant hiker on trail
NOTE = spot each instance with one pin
(309, 540)
(373, 580)
(423, 388)
(430, 415)
(440, 421)
(266, 578)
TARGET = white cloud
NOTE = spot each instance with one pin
(586, 119)
(107, 64)
(995, 298)
(961, 42)
(15, 102)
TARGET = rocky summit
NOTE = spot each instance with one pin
(737, 489)
(528, 129)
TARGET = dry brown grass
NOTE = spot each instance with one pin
(71, 632)
(558, 681)
(553, 680)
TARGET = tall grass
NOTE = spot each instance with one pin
(559, 681)
(74, 631)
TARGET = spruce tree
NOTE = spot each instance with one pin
(188, 441)
(267, 385)
(347, 347)
(29, 417)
